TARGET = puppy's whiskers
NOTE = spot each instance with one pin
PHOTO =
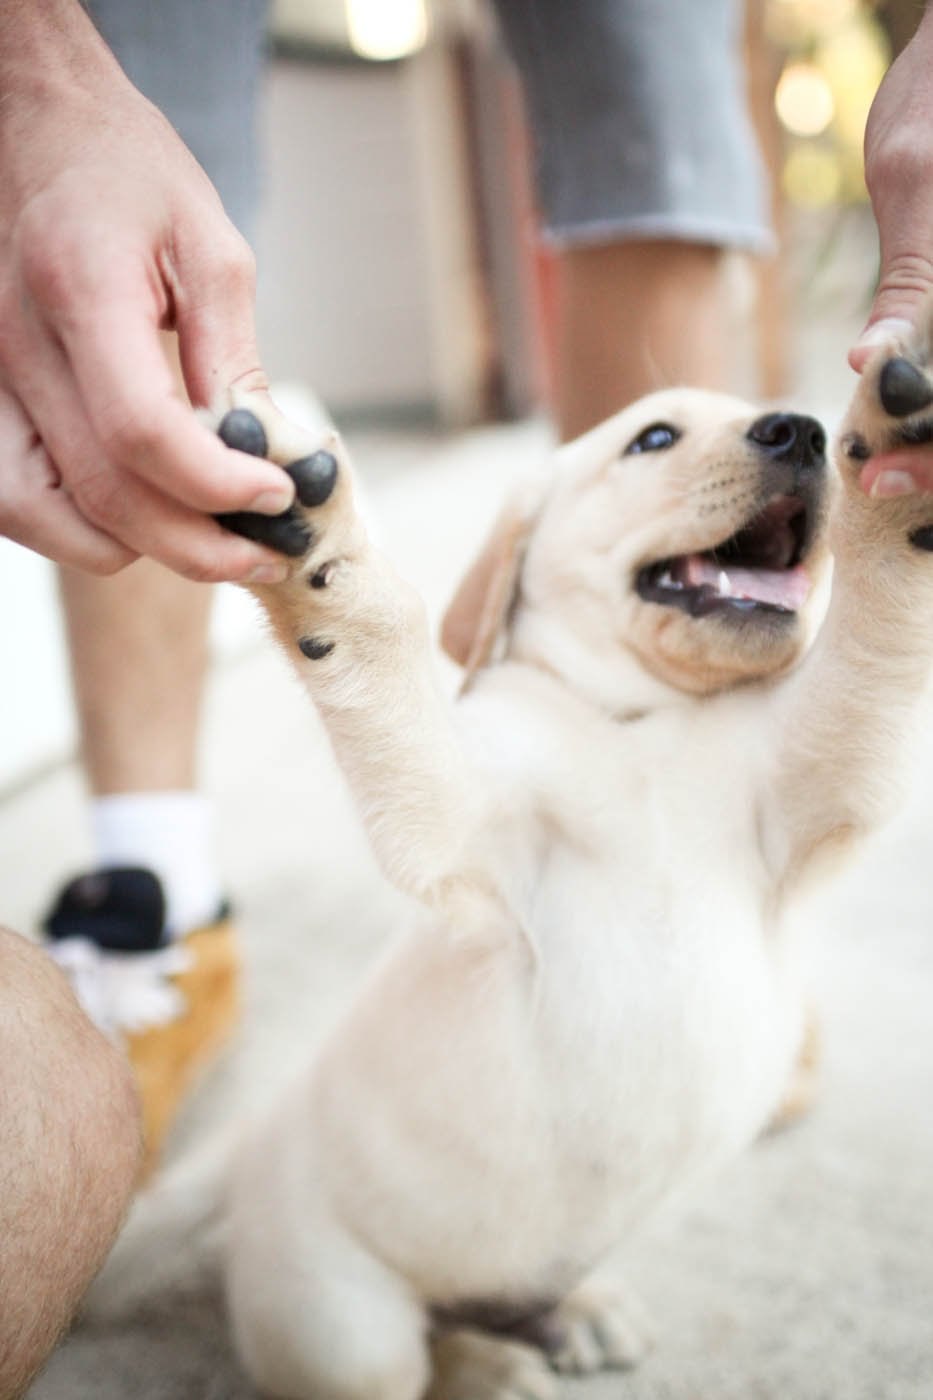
(728, 495)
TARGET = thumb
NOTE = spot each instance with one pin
(888, 330)
(906, 286)
(898, 170)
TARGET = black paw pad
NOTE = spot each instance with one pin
(315, 477)
(287, 533)
(243, 431)
(922, 538)
(903, 388)
(313, 648)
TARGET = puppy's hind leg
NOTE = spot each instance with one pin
(315, 1316)
(599, 1326)
(473, 1366)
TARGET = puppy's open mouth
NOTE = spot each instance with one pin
(758, 569)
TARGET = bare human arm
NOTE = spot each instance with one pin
(110, 232)
(899, 176)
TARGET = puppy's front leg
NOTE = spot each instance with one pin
(358, 637)
(846, 717)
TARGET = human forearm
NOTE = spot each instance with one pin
(899, 176)
(109, 232)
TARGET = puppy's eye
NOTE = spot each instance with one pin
(653, 439)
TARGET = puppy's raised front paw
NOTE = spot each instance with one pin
(320, 529)
(314, 474)
(886, 442)
(892, 408)
(341, 607)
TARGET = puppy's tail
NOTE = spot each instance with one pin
(171, 1244)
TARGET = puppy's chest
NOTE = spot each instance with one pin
(659, 985)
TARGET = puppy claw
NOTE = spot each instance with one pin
(242, 430)
(903, 388)
(315, 477)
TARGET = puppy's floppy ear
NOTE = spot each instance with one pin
(479, 611)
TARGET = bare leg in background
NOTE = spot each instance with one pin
(633, 317)
(138, 648)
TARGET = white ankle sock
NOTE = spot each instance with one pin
(169, 833)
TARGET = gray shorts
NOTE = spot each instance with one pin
(639, 122)
(636, 108)
(199, 61)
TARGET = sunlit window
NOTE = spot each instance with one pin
(382, 29)
(804, 100)
(378, 30)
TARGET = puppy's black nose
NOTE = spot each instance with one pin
(790, 437)
(903, 388)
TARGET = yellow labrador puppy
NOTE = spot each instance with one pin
(593, 1006)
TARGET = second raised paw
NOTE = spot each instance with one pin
(893, 406)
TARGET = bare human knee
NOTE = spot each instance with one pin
(69, 1148)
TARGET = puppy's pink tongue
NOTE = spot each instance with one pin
(783, 588)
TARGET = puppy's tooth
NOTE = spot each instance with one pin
(314, 648)
(242, 430)
(315, 477)
(903, 388)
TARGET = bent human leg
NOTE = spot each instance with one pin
(69, 1151)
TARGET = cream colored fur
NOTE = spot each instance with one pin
(593, 1007)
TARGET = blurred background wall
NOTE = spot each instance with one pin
(400, 278)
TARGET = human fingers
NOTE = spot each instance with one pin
(106, 319)
(900, 473)
(36, 509)
(213, 287)
(188, 542)
(122, 504)
(899, 176)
